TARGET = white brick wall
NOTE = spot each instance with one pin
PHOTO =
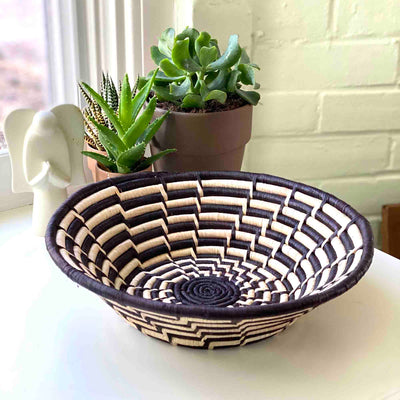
(273, 109)
(360, 111)
(315, 157)
(368, 18)
(326, 65)
(395, 153)
(290, 19)
(330, 108)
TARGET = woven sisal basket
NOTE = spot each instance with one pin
(209, 259)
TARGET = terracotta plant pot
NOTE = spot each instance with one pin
(100, 173)
(204, 141)
(92, 163)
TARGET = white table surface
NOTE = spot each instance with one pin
(58, 341)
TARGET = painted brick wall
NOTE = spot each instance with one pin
(330, 109)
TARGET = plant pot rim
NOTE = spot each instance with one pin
(197, 115)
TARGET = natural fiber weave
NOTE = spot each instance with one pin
(212, 258)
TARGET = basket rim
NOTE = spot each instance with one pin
(209, 312)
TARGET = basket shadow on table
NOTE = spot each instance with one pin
(340, 331)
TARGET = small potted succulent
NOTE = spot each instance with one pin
(210, 112)
(116, 130)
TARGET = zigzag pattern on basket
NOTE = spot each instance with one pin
(201, 333)
(211, 240)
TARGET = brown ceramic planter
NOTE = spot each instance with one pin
(92, 163)
(204, 141)
(100, 173)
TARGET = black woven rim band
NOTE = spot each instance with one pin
(200, 302)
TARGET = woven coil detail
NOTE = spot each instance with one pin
(211, 291)
(208, 241)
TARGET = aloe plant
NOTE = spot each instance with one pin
(93, 110)
(193, 70)
(128, 133)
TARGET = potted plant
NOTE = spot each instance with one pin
(122, 133)
(210, 113)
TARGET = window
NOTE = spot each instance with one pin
(23, 71)
(60, 42)
(22, 58)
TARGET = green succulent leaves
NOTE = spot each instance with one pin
(170, 69)
(156, 55)
(250, 96)
(182, 58)
(233, 80)
(166, 42)
(105, 107)
(140, 124)
(125, 147)
(130, 157)
(193, 71)
(203, 40)
(100, 158)
(207, 55)
(247, 74)
(125, 104)
(192, 100)
(229, 58)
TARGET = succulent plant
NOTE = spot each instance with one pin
(127, 134)
(92, 110)
(193, 71)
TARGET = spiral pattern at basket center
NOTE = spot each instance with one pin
(209, 290)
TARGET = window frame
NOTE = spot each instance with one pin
(84, 38)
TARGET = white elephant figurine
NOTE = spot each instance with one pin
(45, 150)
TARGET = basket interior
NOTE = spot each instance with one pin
(214, 239)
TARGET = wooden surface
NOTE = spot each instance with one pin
(391, 229)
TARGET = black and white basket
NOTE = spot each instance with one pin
(209, 259)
